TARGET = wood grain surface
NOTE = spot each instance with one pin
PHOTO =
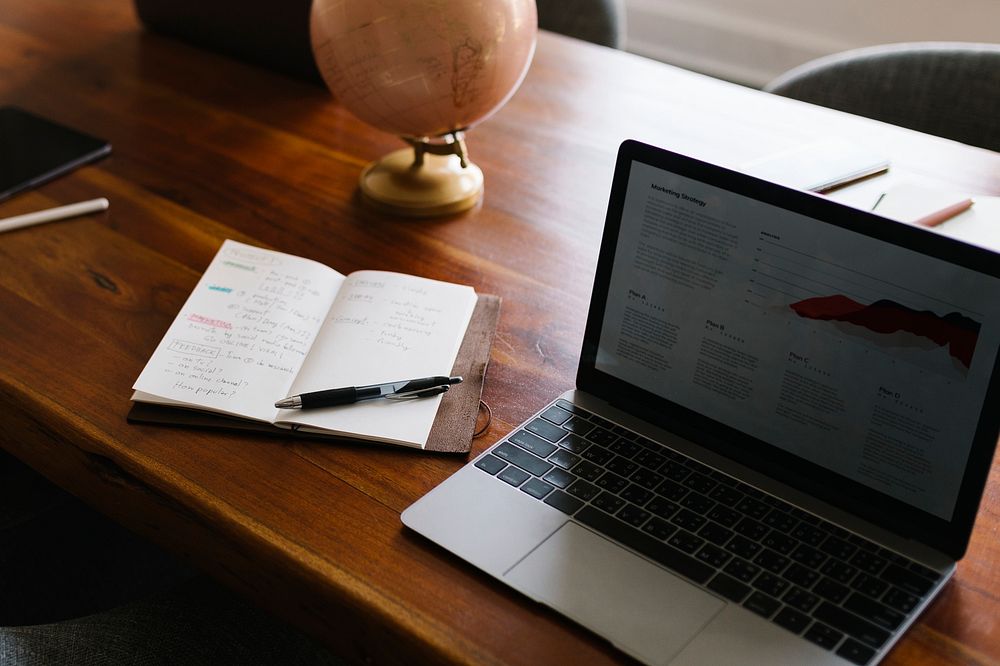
(207, 148)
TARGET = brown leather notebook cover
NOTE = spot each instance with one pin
(456, 419)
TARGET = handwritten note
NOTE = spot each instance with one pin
(263, 325)
(385, 327)
(244, 332)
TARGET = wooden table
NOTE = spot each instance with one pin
(205, 149)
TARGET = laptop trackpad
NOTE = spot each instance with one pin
(643, 609)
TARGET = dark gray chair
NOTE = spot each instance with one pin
(949, 89)
(598, 21)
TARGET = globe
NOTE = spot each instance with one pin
(426, 70)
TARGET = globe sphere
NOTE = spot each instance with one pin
(423, 68)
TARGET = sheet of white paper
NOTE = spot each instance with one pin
(384, 327)
(241, 337)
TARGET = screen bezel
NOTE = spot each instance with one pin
(950, 537)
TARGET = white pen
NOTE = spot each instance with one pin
(53, 214)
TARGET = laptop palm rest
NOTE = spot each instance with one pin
(641, 608)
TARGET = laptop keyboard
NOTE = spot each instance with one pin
(832, 587)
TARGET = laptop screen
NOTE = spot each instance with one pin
(849, 347)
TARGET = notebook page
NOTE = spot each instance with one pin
(384, 327)
(242, 335)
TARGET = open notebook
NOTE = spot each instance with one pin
(261, 325)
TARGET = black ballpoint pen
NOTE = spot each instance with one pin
(402, 390)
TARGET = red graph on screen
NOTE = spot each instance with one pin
(953, 330)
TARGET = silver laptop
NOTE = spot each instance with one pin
(784, 418)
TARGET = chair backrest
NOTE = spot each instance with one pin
(598, 21)
(949, 89)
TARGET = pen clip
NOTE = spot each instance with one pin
(421, 393)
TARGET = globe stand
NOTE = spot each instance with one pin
(426, 180)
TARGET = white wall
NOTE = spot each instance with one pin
(752, 41)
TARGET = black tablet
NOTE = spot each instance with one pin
(34, 150)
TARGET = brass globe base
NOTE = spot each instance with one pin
(439, 186)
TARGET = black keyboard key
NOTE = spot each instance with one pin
(643, 543)
(563, 458)
(838, 571)
(851, 624)
(659, 528)
(831, 590)
(661, 507)
(855, 652)
(672, 491)
(823, 636)
(521, 458)
(743, 547)
(698, 467)
(896, 558)
(724, 516)
(907, 580)
(762, 604)
(873, 564)
(771, 584)
(556, 414)
(809, 533)
(490, 464)
(574, 444)
(808, 556)
(780, 520)
(772, 561)
(608, 502)
(799, 599)
(611, 482)
(583, 490)
(688, 520)
(686, 541)
(637, 494)
(715, 533)
(537, 488)
(874, 612)
(700, 482)
(723, 494)
(753, 507)
(838, 548)
(578, 425)
(622, 465)
(633, 515)
(729, 587)
(801, 576)
(563, 502)
(559, 478)
(742, 570)
(674, 470)
(780, 542)
(902, 601)
(624, 447)
(697, 502)
(532, 443)
(545, 430)
(649, 459)
(598, 454)
(870, 585)
(751, 529)
(647, 478)
(513, 476)
(604, 423)
(588, 470)
(713, 555)
(791, 619)
(601, 436)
